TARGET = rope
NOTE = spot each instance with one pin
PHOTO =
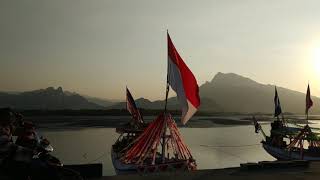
(230, 146)
(96, 159)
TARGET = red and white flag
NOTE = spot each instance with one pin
(183, 82)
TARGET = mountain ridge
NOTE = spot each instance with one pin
(49, 98)
(226, 92)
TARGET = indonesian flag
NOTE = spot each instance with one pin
(132, 108)
(183, 82)
(309, 102)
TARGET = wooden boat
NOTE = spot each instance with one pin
(291, 142)
(141, 156)
(169, 165)
(128, 133)
(294, 154)
(158, 147)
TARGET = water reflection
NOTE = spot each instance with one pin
(217, 147)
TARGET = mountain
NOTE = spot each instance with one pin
(226, 92)
(173, 104)
(235, 93)
(49, 98)
(101, 101)
(141, 103)
(229, 92)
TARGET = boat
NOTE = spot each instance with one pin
(127, 134)
(142, 156)
(289, 141)
(158, 146)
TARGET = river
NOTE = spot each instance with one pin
(215, 147)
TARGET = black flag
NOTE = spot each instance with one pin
(277, 106)
(309, 102)
(257, 126)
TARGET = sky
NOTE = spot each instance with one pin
(99, 47)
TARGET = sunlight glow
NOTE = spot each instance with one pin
(316, 60)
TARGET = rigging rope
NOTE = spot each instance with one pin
(98, 158)
(231, 146)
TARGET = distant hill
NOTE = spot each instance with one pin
(141, 103)
(101, 101)
(235, 93)
(49, 98)
(173, 104)
(229, 92)
(226, 92)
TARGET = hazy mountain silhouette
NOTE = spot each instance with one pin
(48, 98)
(226, 92)
(235, 93)
(141, 103)
(206, 104)
(229, 92)
(101, 101)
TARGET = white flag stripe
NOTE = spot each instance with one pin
(176, 84)
(190, 112)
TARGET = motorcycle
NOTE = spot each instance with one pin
(43, 150)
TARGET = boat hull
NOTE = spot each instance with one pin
(172, 166)
(121, 168)
(282, 154)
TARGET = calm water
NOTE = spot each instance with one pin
(216, 147)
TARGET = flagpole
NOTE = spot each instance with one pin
(308, 109)
(163, 147)
(167, 83)
(307, 106)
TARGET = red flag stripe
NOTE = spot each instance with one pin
(190, 86)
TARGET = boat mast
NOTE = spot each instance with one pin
(308, 110)
(163, 147)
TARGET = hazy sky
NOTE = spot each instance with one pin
(97, 47)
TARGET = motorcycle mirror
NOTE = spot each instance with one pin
(48, 148)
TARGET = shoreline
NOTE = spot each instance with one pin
(80, 122)
(55, 122)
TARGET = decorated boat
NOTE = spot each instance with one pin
(158, 146)
(290, 141)
(128, 133)
(143, 155)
